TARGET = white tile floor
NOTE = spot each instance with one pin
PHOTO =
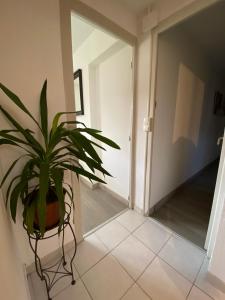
(135, 258)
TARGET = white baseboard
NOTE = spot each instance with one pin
(216, 281)
(92, 186)
(114, 194)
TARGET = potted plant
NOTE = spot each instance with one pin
(40, 185)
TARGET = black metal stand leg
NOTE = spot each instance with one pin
(63, 250)
(75, 250)
(38, 265)
(52, 274)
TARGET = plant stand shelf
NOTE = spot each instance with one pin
(51, 274)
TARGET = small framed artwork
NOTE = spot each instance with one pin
(78, 91)
(219, 104)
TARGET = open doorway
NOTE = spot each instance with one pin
(102, 65)
(189, 120)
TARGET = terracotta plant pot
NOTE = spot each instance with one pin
(52, 216)
(52, 210)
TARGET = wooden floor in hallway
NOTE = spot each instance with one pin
(187, 212)
(98, 206)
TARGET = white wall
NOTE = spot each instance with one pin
(115, 100)
(107, 86)
(13, 285)
(30, 52)
(94, 46)
(116, 12)
(186, 130)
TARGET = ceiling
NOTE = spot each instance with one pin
(136, 6)
(207, 29)
(85, 29)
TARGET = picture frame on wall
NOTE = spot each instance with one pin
(78, 92)
(219, 104)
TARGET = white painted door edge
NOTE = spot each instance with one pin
(217, 206)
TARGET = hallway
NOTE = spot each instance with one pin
(187, 212)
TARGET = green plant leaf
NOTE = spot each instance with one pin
(13, 138)
(72, 123)
(88, 130)
(57, 175)
(57, 117)
(30, 214)
(91, 163)
(44, 112)
(14, 197)
(43, 189)
(10, 170)
(8, 142)
(36, 146)
(105, 140)
(17, 101)
(80, 140)
(80, 171)
(10, 187)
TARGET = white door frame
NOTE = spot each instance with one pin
(217, 206)
(175, 19)
(66, 8)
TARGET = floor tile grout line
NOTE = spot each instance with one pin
(204, 292)
(140, 287)
(147, 246)
(156, 255)
(136, 228)
(192, 282)
(89, 293)
(200, 269)
(135, 281)
(130, 234)
(195, 282)
(150, 298)
(127, 291)
(142, 274)
(176, 235)
(131, 231)
(189, 291)
(106, 254)
(110, 252)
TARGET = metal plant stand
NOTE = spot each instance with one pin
(62, 268)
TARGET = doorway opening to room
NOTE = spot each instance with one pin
(103, 85)
(189, 122)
